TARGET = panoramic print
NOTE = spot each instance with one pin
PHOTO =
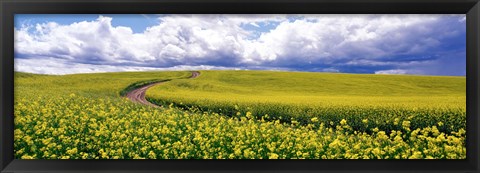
(240, 86)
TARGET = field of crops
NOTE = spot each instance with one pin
(222, 114)
(366, 101)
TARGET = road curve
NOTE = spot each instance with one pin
(138, 95)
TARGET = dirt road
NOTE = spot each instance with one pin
(138, 95)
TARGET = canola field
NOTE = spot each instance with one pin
(240, 115)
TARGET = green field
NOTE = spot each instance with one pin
(240, 114)
(382, 100)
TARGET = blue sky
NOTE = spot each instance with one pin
(372, 44)
(137, 22)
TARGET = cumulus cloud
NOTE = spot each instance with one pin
(331, 43)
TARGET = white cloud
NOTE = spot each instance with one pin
(220, 40)
(332, 70)
(255, 25)
(401, 71)
(396, 71)
(55, 66)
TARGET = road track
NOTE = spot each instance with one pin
(138, 95)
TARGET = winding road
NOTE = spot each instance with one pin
(138, 95)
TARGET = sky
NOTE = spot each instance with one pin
(419, 44)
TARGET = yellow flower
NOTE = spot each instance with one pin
(365, 121)
(273, 156)
(72, 151)
(406, 125)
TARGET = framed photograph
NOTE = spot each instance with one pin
(239, 86)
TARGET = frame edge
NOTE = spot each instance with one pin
(473, 42)
(473, 63)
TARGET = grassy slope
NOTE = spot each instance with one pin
(301, 87)
(329, 96)
(90, 85)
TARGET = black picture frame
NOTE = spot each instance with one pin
(9, 8)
